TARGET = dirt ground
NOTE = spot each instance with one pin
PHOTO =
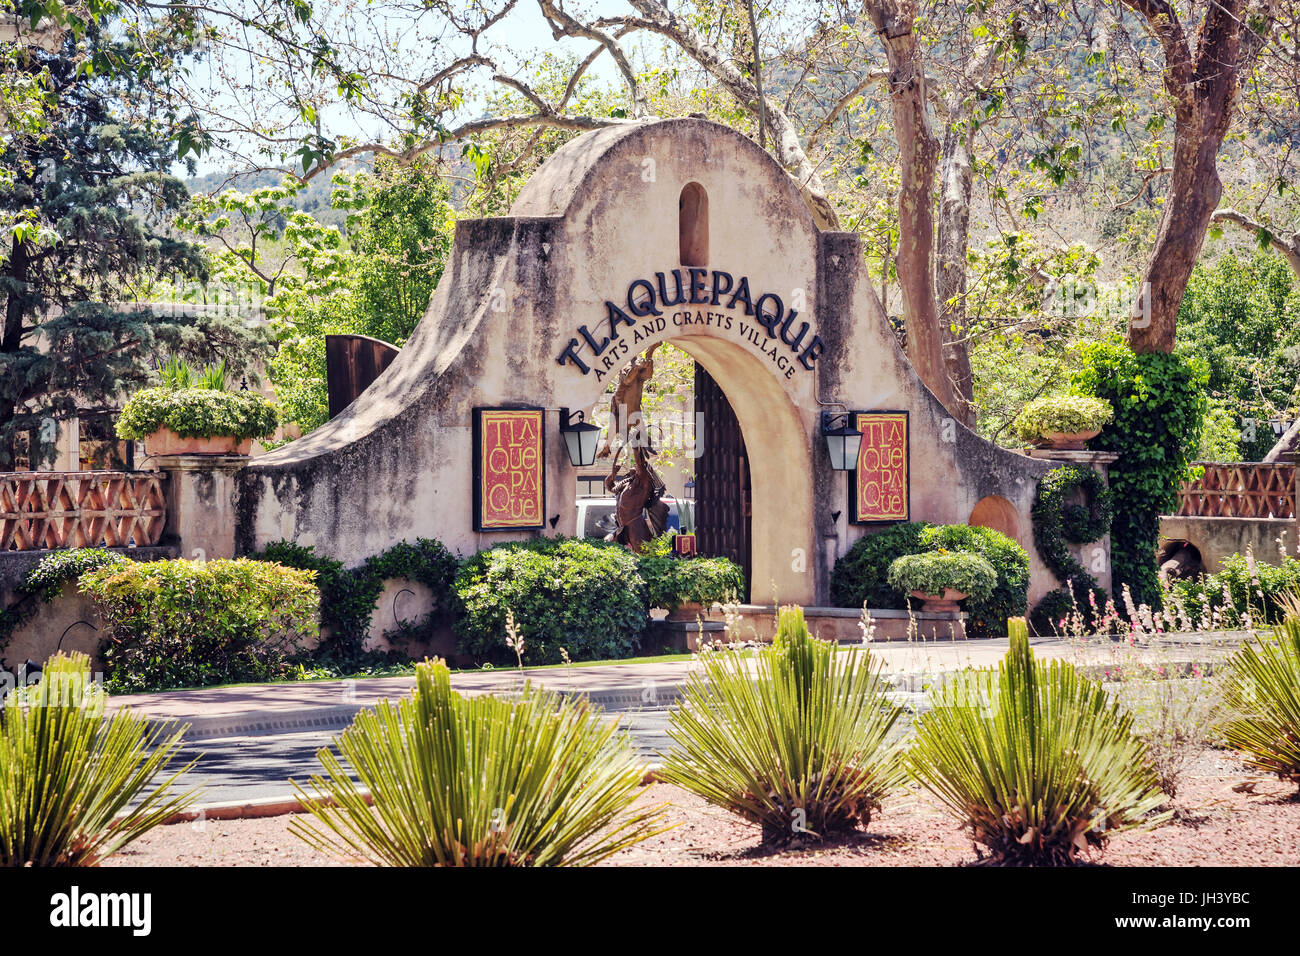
(1226, 815)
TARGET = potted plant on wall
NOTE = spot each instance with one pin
(1063, 422)
(686, 587)
(684, 542)
(940, 579)
(193, 414)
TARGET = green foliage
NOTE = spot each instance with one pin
(1240, 318)
(537, 780)
(1010, 595)
(860, 577)
(1262, 693)
(1241, 588)
(43, 583)
(1036, 760)
(1221, 437)
(91, 192)
(191, 623)
(197, 413)
(1160, 405)
(672, 581)
(798, 744)
(348, 595)
(375, 278)
(564, 592)
(1059, 522)
(933, 572)
(1065, 414)
(70, 779)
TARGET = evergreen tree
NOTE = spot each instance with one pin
(94, 189)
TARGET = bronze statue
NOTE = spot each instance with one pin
(626, 402)
(639, 510)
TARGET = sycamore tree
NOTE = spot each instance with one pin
(90, 193)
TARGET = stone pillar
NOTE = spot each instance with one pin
(1097, 461)
(201, 501)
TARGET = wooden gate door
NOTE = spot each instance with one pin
(722, 485)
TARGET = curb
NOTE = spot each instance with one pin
(282, 806)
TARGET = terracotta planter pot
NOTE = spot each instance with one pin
(166, 442)
(1066, 441)
(687, 612)
(940, 603)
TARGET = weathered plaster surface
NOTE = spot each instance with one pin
(601, 213)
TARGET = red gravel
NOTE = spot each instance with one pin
(1257, 824)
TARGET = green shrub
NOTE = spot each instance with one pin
(1010, 596)
(43, 583)
(348, 595)
(1262, 693)
(798, 745)
(672, 581)
(1051, 613)
(539, 780)
(192, 623)
(1253, 588)
(1064, 414)
(933, 572)
(861, 576)
(1035, 759)
(564, 592)
(70, 779)
(197, 413)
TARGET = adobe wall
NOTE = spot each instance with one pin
(523, 316)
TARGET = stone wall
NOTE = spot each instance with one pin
(518, 290)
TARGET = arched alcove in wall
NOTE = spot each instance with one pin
(997, 513)
(693, 226)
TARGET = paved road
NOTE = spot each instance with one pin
(245, 769)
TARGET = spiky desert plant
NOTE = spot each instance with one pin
(1262, 695)
(795, 738)
(69, 776)
(535, 780)
(1037, 760)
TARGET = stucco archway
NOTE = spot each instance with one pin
(783, 493)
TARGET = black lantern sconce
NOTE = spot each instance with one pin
(842, 441)
(580, 438)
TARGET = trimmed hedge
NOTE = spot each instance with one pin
(191, 624)
(349, 595)
(987, 617)
(573, 593)
(862, 574)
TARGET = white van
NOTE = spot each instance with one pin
(596, 516)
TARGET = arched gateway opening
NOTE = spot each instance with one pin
(750, 506)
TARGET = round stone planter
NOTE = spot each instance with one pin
(940, 603)
(166, 442)
(687, 612)
(1066, 441)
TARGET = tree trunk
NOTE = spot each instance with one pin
(1203, 88)
(956, 184)
(918, 157)
(1194, 193)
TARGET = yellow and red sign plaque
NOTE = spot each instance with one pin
(881, 485)
(509, 468)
